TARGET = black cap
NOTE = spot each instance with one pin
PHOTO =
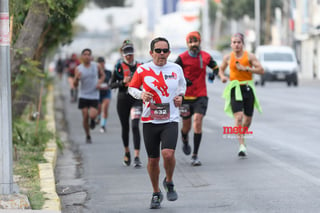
(127, 48)
(100, 59)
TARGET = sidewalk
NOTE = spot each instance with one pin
(309, 82)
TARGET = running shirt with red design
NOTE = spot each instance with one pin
(194, 69)
(164, 82)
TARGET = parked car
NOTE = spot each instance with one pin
(279, 63)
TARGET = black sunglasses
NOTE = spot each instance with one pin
(158, 50)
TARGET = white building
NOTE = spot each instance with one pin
(307, 35)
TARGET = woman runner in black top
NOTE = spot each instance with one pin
(127, 106)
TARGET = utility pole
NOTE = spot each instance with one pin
(257, 21)
(6, 174)
(205, 25)
(217, 24)
(288, 36)
(267, 38)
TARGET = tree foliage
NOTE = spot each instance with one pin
(237, 9)
(212, 10)
(38, 26)
(59, 29)
(58, 26)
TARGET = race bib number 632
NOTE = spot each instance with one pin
(160, 111)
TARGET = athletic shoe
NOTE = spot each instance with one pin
(156, 200)
(137, 163)
(102, 129)
(186, 148)
(242, 151)
(169, 187)
(98, 120)
(195, 161)
(128, 161)
(88, 139)
(92, 123)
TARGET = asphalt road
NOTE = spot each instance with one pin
(280, 174)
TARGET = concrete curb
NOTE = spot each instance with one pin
(46, 170)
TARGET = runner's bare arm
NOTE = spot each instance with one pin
(256, 65)
(101, 74)
(76, 78)
(222, 68)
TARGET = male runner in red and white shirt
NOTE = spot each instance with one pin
(163, 85)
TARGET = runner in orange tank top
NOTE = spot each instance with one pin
(240, 93)
(235, 74)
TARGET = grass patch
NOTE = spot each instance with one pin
(29, 142)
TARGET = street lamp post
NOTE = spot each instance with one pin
(6, 174)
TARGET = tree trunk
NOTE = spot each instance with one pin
(41, 44)
(27, 42)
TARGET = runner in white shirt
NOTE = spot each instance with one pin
(163, 86)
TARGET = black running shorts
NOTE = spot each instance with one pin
(156, 134)
(247, 103)
(87, 103)
(198, 105)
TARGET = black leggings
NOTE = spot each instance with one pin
(124, 104)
